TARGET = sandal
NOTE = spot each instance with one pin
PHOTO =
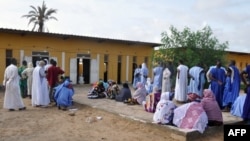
(127, 100)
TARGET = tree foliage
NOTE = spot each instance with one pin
(38, 16)
(191, 47)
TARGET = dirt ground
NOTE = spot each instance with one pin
(51, 124)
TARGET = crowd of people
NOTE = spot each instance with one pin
(159, 95)
(40, 83)
(201, 104)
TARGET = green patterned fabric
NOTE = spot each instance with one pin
(23, 82)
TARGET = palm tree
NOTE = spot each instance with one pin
(39, 16)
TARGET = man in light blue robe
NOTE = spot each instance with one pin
(137, 76)
(63, 95)
(144, 73)
(157, 78)
(197, 83)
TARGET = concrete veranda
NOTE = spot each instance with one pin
(137, 112)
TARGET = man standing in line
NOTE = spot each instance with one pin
(181, 83)
(166, 79)
(233, 89)
(27, 73)
(218, 79)
(23, 80)
(52, 77)
(196, 84)
(48, 64)
(144, 73)
(12, 97)
(157, 77)
(137, 76)
(245, 77)
(40, 94)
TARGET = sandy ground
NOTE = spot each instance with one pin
(51, 124)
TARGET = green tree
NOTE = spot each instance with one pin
(191, 47)
(38, 16)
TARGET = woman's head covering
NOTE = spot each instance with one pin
(208, 94)
(143, 65)
(30, 65)
(210, 105)
(139, 85)
(125, 85)
(164, 110)
(41, 63)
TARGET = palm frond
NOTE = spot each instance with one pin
(39, 16)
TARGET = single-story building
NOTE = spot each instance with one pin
(82, 57)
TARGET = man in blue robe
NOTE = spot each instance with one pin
(218, 77)
(232, 89)
(245, 76)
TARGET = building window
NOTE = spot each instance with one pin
(9, 54)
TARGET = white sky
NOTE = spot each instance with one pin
(138, 20)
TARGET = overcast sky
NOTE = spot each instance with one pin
(138, 20)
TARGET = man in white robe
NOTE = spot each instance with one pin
(166, 82)
(28, 73)
(40, 93)
(181, 83)
(12, 97)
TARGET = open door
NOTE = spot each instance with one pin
(94, 69)
(73, 70)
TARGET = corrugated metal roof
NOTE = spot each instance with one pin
(67, 36)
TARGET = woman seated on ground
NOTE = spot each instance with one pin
(193, 97)
(124, 93)
(152, 100)
(164, 112)
(98, 91)
(139, 95)
(191, 116)
(63, 95)
(212, 108)
(113, 89)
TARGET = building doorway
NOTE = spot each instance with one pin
(38, 56)
(83, 71)
(119, 69)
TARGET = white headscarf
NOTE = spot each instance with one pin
(164, 110)
(30, 65)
